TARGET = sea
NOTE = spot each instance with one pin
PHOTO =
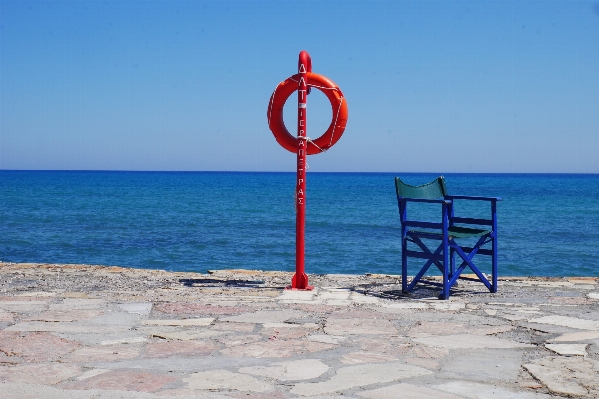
(548, 224)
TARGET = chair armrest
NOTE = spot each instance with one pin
(430, 201)
(470, 197)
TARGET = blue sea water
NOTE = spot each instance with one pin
(197, 221)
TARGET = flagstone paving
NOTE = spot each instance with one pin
(77, 331)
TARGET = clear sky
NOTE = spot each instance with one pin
(467, 86)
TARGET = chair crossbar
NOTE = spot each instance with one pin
(484, 222)
(426, 254)
(481, 251)
(427, 251)
(457, 273)
(472, 197)
(468, 260)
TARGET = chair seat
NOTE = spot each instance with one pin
(457, 232)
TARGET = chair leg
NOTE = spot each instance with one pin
(452, 263)
(404, 266)
(494, 266)
(494, 244)
(446, 286)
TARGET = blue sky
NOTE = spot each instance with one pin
(467, 86)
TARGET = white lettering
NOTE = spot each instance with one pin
(301, 133)
(303, 94)
(302, 68)
(300, 192)
(302, 122)
(302, 82)
(301, 142)
(300, 181)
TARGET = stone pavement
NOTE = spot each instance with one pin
(75, 331)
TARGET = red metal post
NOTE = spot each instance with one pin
(300, 279)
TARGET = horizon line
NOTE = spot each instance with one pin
(266, 171)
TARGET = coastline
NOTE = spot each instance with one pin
(79, 331)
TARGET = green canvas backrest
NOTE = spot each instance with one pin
(432, 190)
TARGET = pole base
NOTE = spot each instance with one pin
(299, 282)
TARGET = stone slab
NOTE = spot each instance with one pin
(200, 308)
(568, 349)
(186, 335)
(239, 327)
(361, 375)
(304, 369)
(79, 304)
(448, 306)
(406, 391)
(40, 373)
(569, 376)
(476, 390)
(297, 295)
(6, 316)
(577, 336)
(143, 308)
(358, 326)
(125, 380)
(469, 341)
(361, 298)
(327, 339)
(128, 340)
(179, 322)
(367, 357)
(224, 379)
(275, 349)
(74, 327)
(37, 294)
(426, 328)
(483, 365)
(405, 305)
(91, 373)
(235, 339)
(24, 306)
(426, 363)
(110, 318)
(165, 349)
(11, 390)
(36, 347)
(547, 328)
(567, 321)
(263, 316)
(65, 316)
(106, 353)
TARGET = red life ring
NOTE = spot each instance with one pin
(275, 113)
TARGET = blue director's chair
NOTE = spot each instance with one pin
(447, 231)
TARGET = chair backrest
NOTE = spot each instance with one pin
(432, 190)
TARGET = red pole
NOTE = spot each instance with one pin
(300, 279)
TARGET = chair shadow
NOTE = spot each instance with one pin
(419, 292)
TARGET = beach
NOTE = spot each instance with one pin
(81, 331)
